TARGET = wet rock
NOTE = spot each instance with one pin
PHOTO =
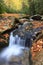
(26, 17)
(3, 44)
(4, 40)
(22, 20)
(27, 26)
(36, 17)
(25, 35)
(2, 61)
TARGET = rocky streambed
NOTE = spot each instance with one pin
(30, 30)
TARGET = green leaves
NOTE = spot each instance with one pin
(36, 7)
(31, 7)
(39, 7)
(2, 7)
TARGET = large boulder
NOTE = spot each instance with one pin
(35, 17)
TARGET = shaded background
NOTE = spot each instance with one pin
(21, 6)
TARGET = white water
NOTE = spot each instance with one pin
(16, 45)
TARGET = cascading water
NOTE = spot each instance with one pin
(16, 45)
(16, 40)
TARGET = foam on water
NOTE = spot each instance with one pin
(14, 47)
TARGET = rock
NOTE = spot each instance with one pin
(25, 35)
(22, 20)
(31, 19)
(3, 44)
(26, 17)
(4, 40)
(36, 17)
(27, 25)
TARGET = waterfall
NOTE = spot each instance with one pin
(16, 40)
(16, 45)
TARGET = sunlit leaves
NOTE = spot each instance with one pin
(15, 4)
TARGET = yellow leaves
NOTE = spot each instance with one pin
(16, 4)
